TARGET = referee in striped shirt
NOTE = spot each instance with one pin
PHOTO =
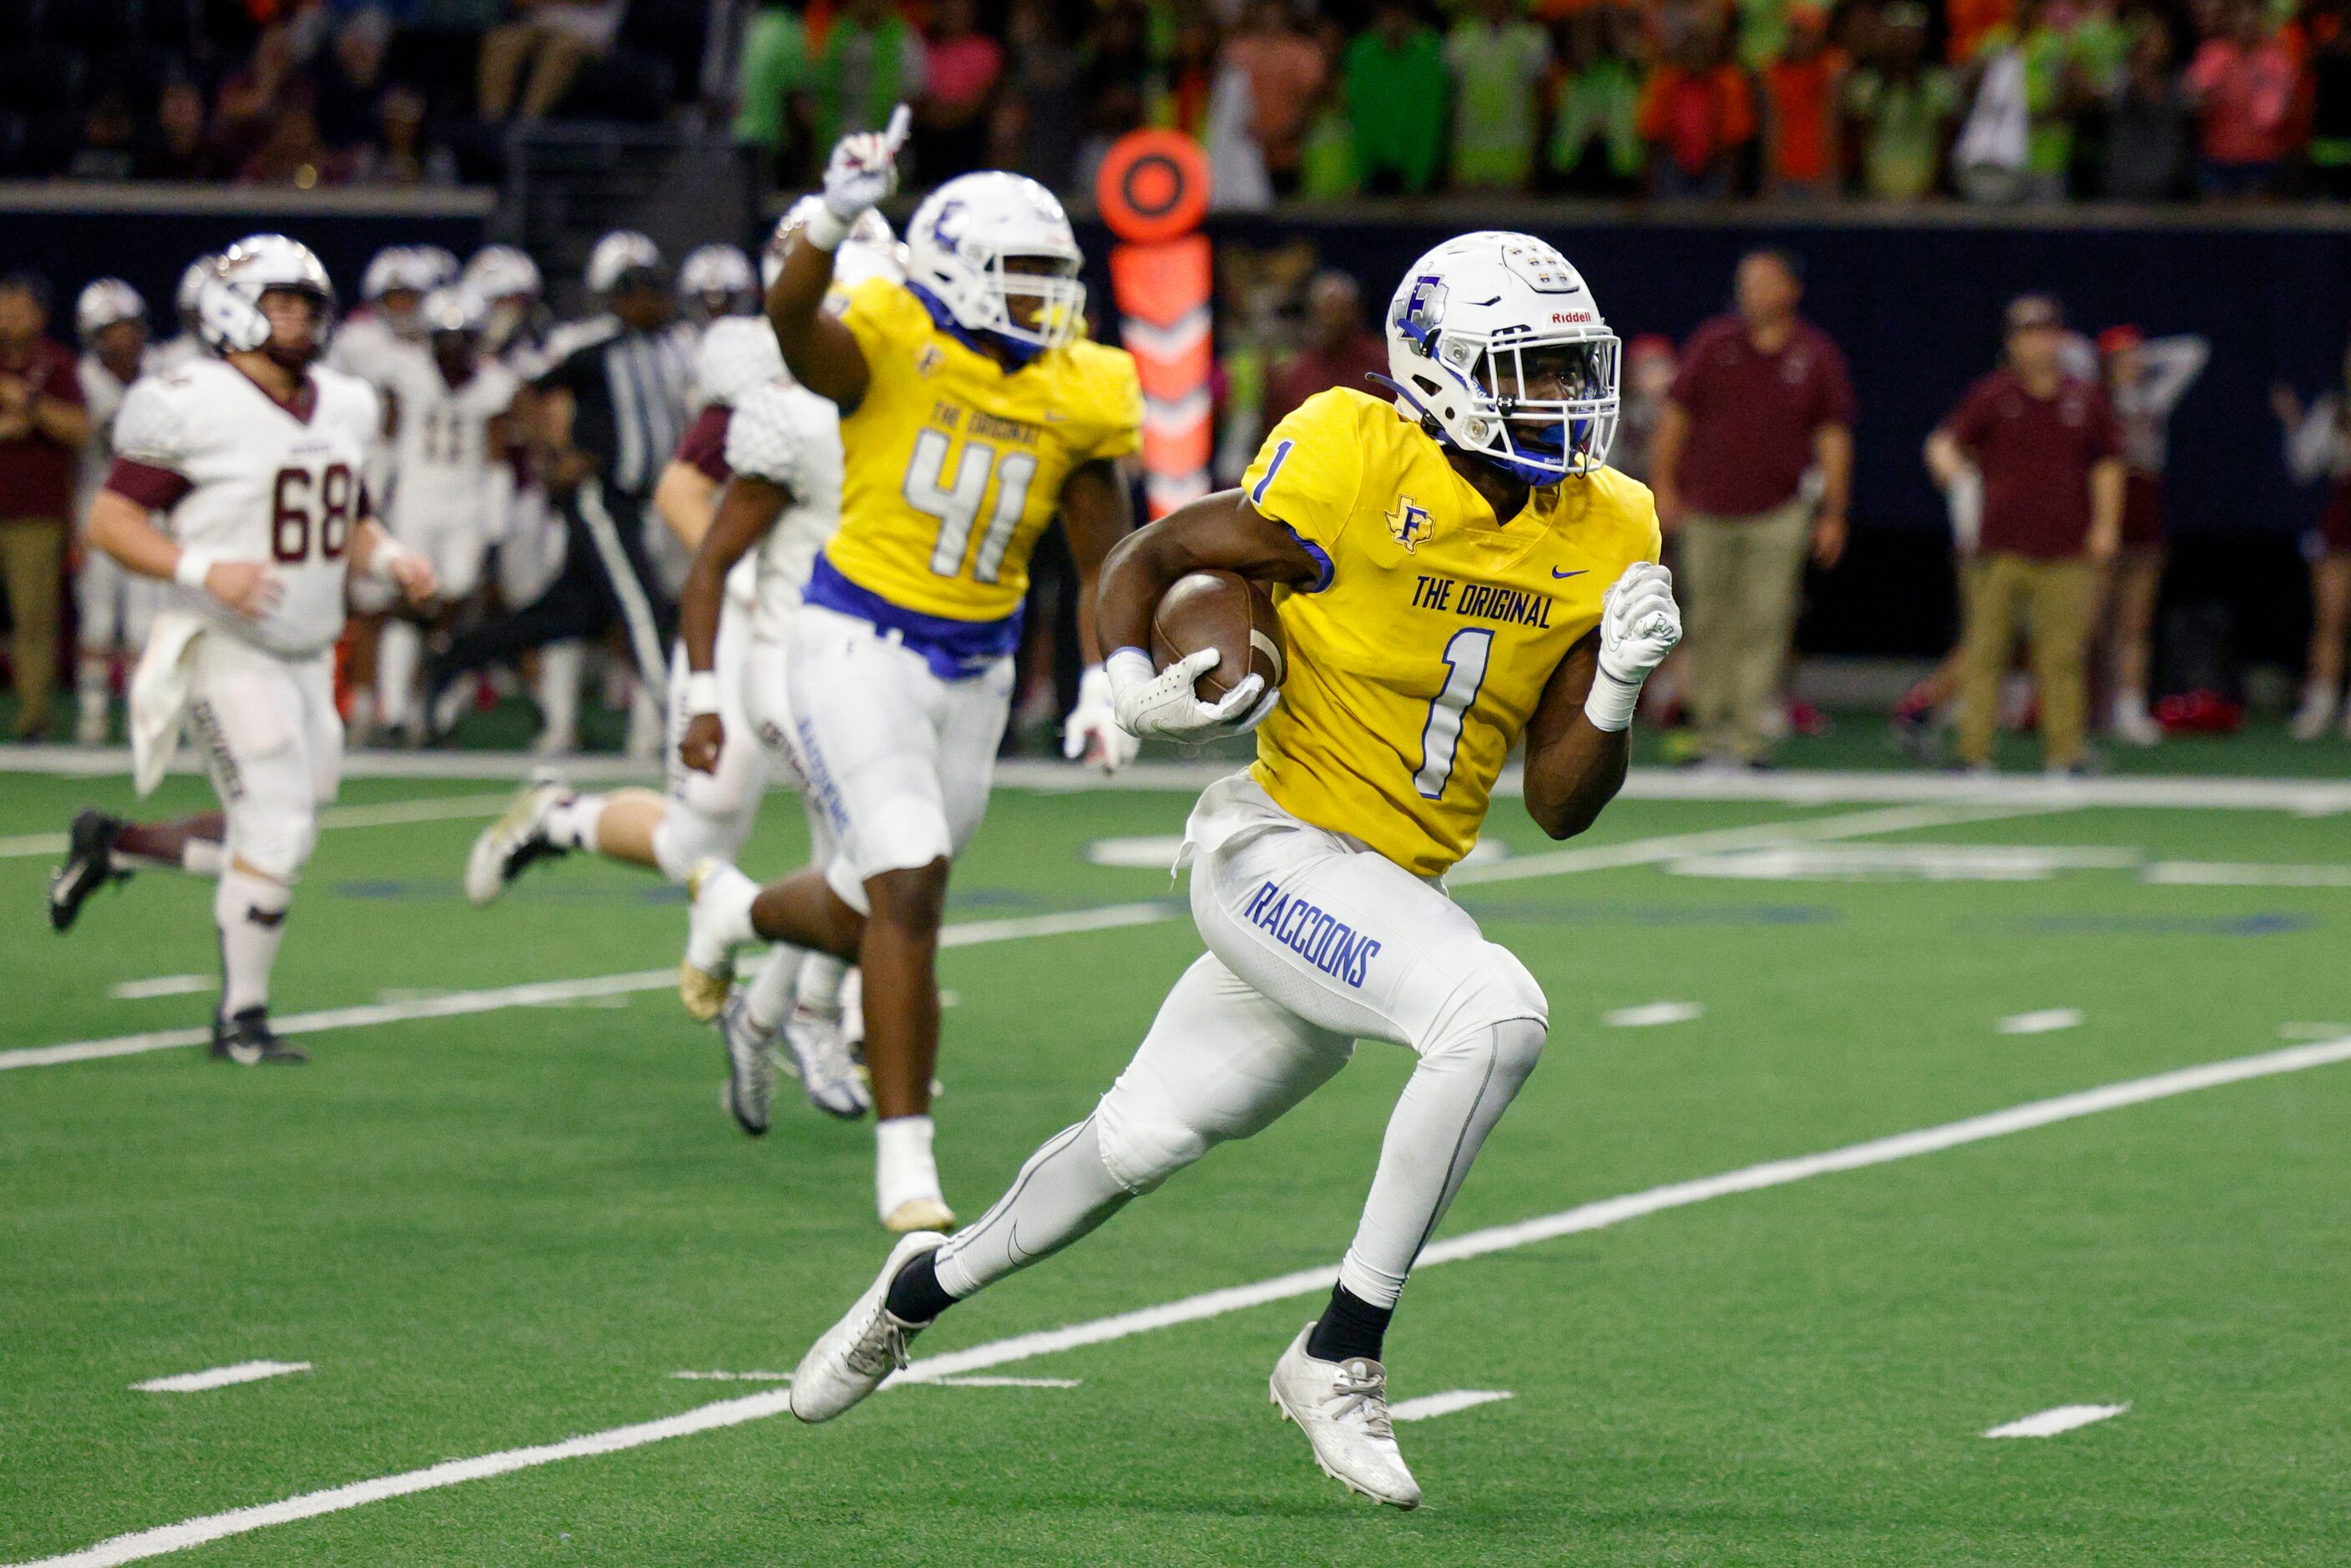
(607, 413)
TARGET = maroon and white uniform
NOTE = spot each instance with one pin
(451, 493)
(227, 470)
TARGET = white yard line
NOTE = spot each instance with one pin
(1006, 1382)
(2064, 1418)
(161, 986)
(732, 1376)
(542, 993)
(1653, 1014)
(1589, 1216)
(1429, 1406)
(545, 993)
(220, 1376)
(389, 814)
(2047, 1020)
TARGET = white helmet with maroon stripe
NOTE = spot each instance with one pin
(1496, 343)
(104, 302)
(229, 318)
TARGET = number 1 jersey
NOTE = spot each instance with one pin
(229, 469)
(953, 466)
(1416, 662)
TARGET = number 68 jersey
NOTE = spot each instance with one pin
(230, 470)
(1416, 662)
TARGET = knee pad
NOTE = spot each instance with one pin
(1495, 988)
(1143, 1144)
(276, 842)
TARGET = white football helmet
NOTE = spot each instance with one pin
(105, 302)
(405, 269)
(980, 242)
(502, 272)
(229, 317)
(870, 251)
(1496, 343)
(192, 283)
(617, 256)
(715, 280)
(452, 307)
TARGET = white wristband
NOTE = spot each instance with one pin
(1611, 701)
(389, 552)
(195, 566)
(701, 692)
(825, 228)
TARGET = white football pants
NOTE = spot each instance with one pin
(900, 759)
(273, 746)
(1314, 941)
(711, 815)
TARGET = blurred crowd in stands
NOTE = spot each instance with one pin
(1892, 100)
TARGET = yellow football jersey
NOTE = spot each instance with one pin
(1417, 663)
(952, 466)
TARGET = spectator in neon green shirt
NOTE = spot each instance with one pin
(871, 62)
(1395, 86)
(1595, 106)
(1498, 57)
(773, 67)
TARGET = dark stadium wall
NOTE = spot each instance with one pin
(1916, 308)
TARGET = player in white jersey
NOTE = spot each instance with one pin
(237, 482)
(392, 292)
(451, 430)
(715, 282)
(707, 812)
(115, 606)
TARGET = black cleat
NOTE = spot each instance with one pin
(88, 865)
(248, 1040)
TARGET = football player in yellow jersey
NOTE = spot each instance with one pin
(973, 411)
(1455, 569)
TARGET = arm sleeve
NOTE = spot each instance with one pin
(152, 430)
(704, 445)
(1965, 424)
(2104, 439)
(1308, 474)
(889, 324)
(1837, 405)
(765, 441)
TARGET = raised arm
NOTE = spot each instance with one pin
(823, 354)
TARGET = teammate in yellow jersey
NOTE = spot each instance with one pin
(973, 411)
(1455, 569)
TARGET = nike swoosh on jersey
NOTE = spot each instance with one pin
(1579, 572)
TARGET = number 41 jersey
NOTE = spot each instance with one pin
(229, 469)
(954, 466)
(1417, 661)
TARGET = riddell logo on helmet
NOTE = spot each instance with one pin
(1565, 318)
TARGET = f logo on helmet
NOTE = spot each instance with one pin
(947, 227)
(1409, 523)
(1421, 310)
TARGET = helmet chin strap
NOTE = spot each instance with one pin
(981, 341)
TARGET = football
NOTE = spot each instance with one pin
(1226, 611)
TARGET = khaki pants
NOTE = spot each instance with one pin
(2057, 601)
(33, 562)
(1740, 579)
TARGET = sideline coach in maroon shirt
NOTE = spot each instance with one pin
(2051, 455)
(1762, 400)
(42, 426)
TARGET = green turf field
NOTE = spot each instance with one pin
(511, 1227)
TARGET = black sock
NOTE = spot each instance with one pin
(915, 1296)
(1349, 1329)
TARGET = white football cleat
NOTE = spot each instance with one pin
(515, 840)
(705, 976)
(1342, 1408)
(2317, 711)
(751, 1068)
(2134, 725)
(820, 1059)
(850, 1359)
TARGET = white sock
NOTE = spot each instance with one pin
(573, 824)
(91, 678)
(902, 1167)
(204, 857)
(560, 664)
(397, 653)
(723, 910)
(769, 995)
(819, 988)
(251, 913)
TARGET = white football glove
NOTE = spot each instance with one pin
(859, 176)
(1094, 723)
(1639, 625)
(1163, 702)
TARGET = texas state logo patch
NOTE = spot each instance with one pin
(1409, 523)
